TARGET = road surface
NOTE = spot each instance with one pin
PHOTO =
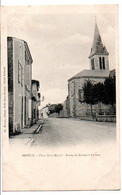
(66, 132)
(60, 131)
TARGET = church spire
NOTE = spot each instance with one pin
(99, 54)
(97, 46)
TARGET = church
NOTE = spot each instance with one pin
(98, 72)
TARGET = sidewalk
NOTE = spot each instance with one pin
(31, 129)
(27, 132)
(26, 137)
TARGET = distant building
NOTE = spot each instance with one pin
(44, 112)
(56, 110)
(51, 108)
(99, 71)
(19, 84)
(35, 101)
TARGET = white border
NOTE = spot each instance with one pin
(76, 2)
(55, 2)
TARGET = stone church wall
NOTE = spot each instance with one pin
(78, 109)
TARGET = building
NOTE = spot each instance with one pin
(19, 84)
(98, 72)
(35, 101)
(51, 108)
(38, 104)
(66, 109)
(44, 112)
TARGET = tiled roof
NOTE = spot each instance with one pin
(91, 74)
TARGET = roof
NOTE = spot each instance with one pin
(97, 46)
(25, 44)
(91, 74)
(36, 82)
(52, 107)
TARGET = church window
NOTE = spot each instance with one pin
(100, 62)
(103, 63)
(92, 64)
(80, 94)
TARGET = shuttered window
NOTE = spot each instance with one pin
(20, 73)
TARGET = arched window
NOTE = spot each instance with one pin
(103, 63)
(92, 64)
(100, 62)
(81, 95)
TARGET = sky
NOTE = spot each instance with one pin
(60, 45)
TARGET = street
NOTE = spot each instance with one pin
(65, 148)
(64, 131)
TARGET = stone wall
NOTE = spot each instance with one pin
(77, 108)
(107, 118)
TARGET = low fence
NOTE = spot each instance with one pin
(106, 118)
(100, 118)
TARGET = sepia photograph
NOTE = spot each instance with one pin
(60, 97)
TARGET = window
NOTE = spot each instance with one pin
(102, 62)
(80, 95)
(26, 59)
(20, 73)
(92, 64)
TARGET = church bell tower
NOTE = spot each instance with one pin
(99, 54)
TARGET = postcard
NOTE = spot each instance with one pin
(60, 97)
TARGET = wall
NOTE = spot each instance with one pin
(44, 113)
(19, 76)
(109, 118)
(65, 109)
(76, 108)
(35, 90)
(35, 103)
(96, 62)
(27, 81)
(18, 57)
(33, 112)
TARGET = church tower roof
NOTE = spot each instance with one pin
(97, 47)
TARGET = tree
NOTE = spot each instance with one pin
(98, 92)
(110, 90)
(88, 91)
(58, 108)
